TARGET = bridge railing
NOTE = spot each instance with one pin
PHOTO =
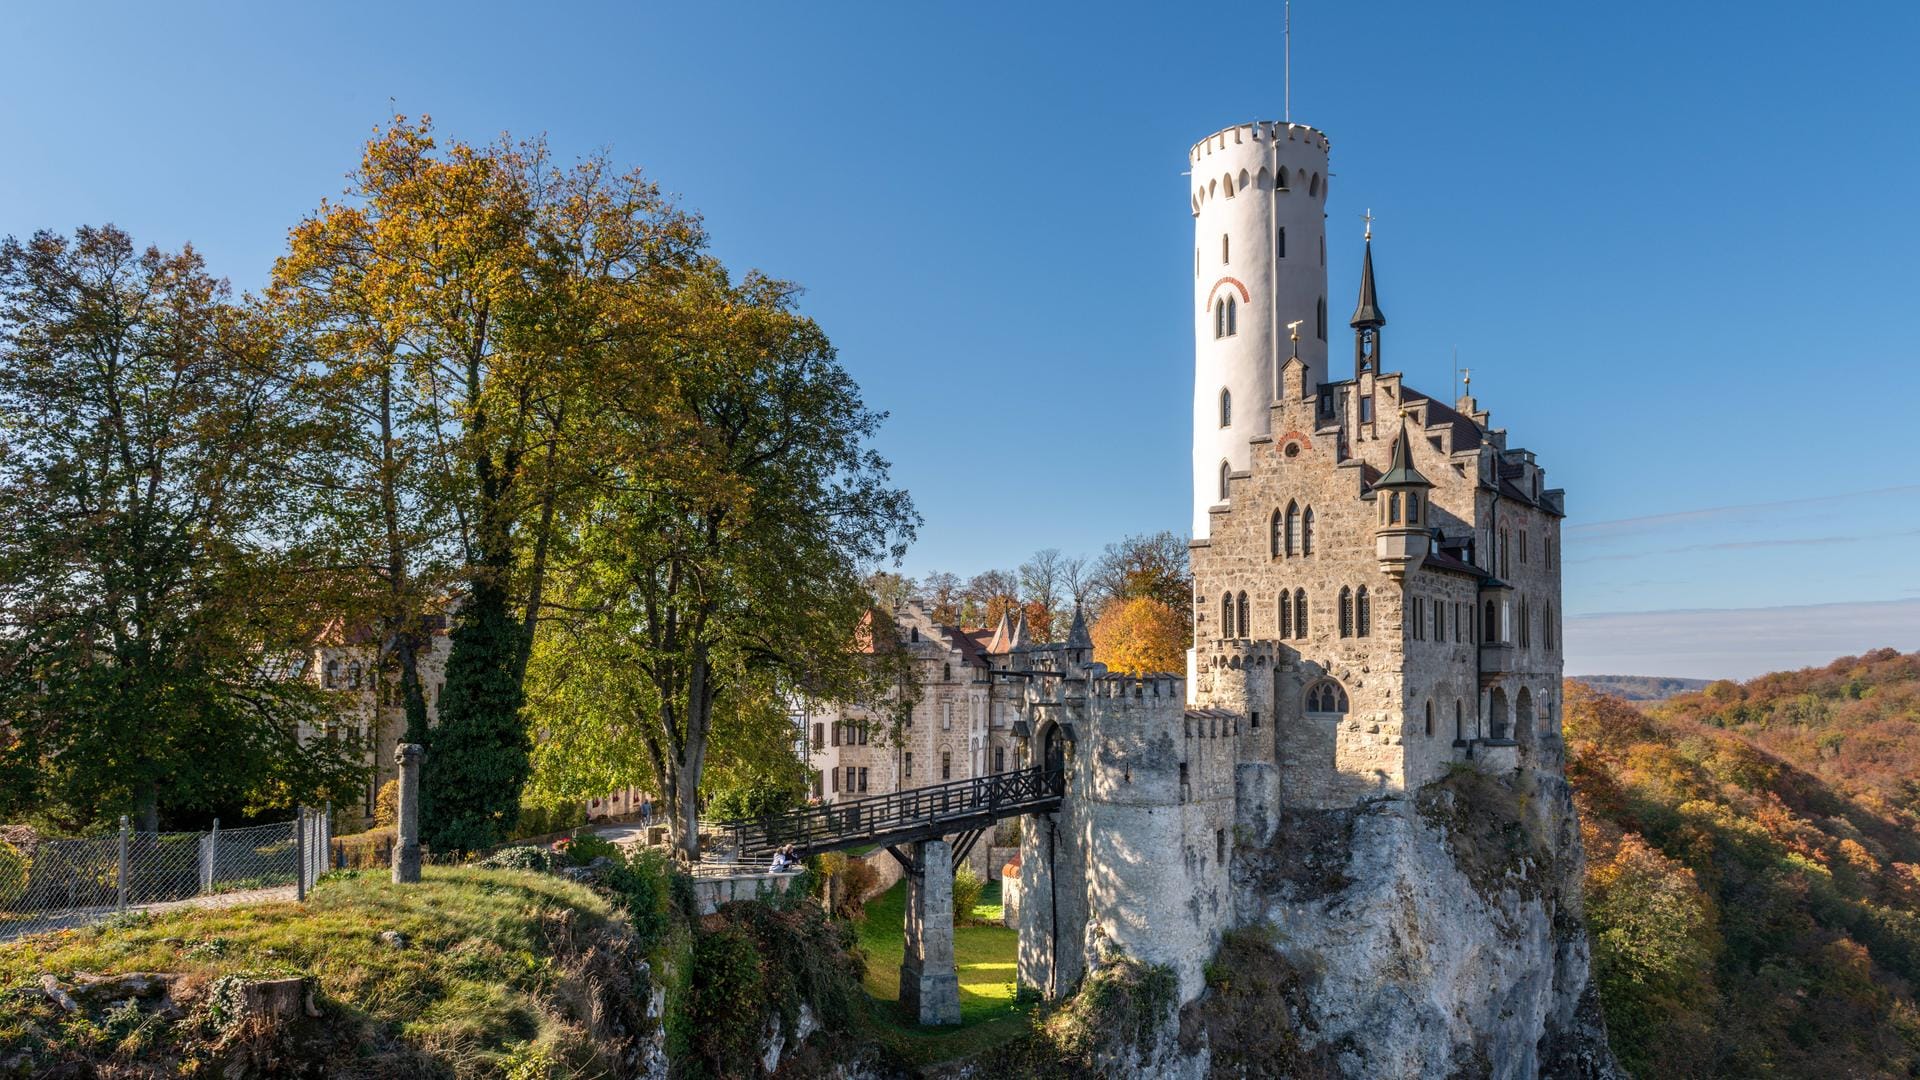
(845, 824)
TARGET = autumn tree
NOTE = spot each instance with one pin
(944, 597)
(1043, 585)
(150, 600)
(1152, 565)
(514, 294)
(889, 589)
(989, 595)
(735, 575)
(1140, 635)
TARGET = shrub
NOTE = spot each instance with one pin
(386, 805)
(366, 850)
(726, 985)
(856, 881)
(521, 857)
(13, 875)
(966, 893)
(541, 820)
(643, 885)
(583, 847)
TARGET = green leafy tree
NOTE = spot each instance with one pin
(150, 603)
(732, 576)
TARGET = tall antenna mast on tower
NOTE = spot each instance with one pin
(1286, 65)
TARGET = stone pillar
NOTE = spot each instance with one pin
(406, 847)
(929, 987)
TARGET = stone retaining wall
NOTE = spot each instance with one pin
(714, 892)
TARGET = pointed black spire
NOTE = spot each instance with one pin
(1367, 314)
(1367, 317)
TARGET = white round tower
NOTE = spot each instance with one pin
(1258, 197)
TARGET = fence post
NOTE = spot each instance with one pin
(209, 856)
(325, 854)
(120, 904)
(300, 853)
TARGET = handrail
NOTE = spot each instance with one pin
(924, 809)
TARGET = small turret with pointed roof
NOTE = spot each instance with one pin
(1079, 637)
(1367, 316)
(1401, 541)
(1022, 635)
(1002, 639)
(1400, 471)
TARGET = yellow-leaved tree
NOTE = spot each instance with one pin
(1140, 635)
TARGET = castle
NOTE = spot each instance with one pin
(1376, 594)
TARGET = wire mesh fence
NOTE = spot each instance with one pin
(50, 884)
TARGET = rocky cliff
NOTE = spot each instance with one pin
(1437, 934)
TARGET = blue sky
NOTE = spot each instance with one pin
(1673, 242)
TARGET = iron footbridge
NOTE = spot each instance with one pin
(928, 813)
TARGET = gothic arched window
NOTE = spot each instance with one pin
(1246, 624)
(1326, 696)
(1300, 613)
(1226, 407)
(1346, 611)
(1224, 470)
(1306, 532)
(1293, 528)
(1226, 615)
(1320, 319)
(1220, 318)
(1286, 614)
(1413, 508)
(1274, 535)
(1363, 613)
(1233, 316)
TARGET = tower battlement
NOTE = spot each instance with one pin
(1233, 654)
(1152, 685)
(1258, 131)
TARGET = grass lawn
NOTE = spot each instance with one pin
(984, 957)
(477, 979)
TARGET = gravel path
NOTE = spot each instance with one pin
(75, 918)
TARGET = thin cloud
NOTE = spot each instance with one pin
(1736, 643)
(1650, 521)
(1743, 545)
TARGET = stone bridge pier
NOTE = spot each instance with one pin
(929, 986)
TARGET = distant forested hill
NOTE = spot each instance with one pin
(1753, 878)
(1641, 687)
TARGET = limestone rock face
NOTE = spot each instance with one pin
(1438, 934)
